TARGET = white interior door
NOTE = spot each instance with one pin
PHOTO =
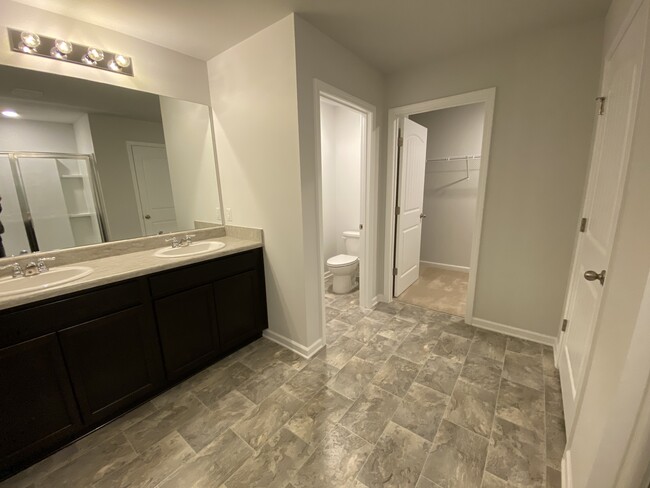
(601, 209)
(154, 188)
(410, 197)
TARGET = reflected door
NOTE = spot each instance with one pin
(154, 188)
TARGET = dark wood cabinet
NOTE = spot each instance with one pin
(239, 308)
(188, 330)
(71, 363)
(114, 361)
(37, 407)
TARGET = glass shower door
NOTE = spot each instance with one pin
(61, 197)
(14, 238)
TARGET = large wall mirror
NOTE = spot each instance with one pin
(84, 163)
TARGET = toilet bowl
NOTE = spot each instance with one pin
(344, 266)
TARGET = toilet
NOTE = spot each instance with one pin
(344, 266)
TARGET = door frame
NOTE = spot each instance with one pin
(369, 191)
(486, 96)
(134, 177)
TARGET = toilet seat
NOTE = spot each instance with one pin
(341, 260)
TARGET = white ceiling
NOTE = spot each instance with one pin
(389, 34)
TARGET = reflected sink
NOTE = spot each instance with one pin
(49, 279)
(191, 250)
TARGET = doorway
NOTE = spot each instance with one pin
(346, 173)
(437, 168)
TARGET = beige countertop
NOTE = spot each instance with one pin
(113, 269)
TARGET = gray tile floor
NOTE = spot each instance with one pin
(402, 397)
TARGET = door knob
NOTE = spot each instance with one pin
(593, 276)
(147, 216)
(423, 215)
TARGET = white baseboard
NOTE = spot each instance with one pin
(382, 298)
(305, 352)
(448, 267)
(514, 331)
(375, 300)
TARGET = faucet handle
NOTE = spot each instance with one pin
(40, 263)
(17, 269)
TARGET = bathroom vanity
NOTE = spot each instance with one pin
(71, 362)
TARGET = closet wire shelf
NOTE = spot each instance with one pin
(457, 158)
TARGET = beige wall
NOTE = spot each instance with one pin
(157, 70)
(546, 84)
(627, 278)
(192, 165)
(449, 200)
(319, 57)
(253, 88)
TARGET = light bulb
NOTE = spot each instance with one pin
(95, 54)
(10, 113)
(30, 39)
(64, 47)
(122, 61)
(113, 65)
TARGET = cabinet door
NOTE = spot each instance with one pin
(114, 362)
(37, 407)
(239, 308)
(188, 331)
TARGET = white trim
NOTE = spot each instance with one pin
(567, 481)
(547, 340)
(327, 274)
(369, 191)
(486, 96)
(448, 267)
(305, 352)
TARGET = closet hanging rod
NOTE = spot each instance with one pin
(456, 158)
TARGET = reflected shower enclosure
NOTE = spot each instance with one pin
(49, 201)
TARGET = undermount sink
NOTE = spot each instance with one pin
(49, 279)
(191, 250)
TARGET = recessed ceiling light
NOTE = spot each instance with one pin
(10, 113)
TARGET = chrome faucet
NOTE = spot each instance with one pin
(187, 240)
(42, 267)
(17, 270)
(176, 242)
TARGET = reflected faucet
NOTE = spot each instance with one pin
(176, 242)
(187, 240)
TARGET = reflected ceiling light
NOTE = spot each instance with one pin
(61, 49)
(29, 42)
(10, 113)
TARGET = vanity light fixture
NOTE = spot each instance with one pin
(29, 42)
(12, 114)
(63, 50)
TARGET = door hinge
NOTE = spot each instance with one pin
(601, 105)
(397, 210)
(565, 323)
(400, 141)
(360, 226)
(583, 224)
(394, 271)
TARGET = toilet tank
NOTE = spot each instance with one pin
(351, 238)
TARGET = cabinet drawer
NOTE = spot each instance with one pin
(37, 320)
(169, 282)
